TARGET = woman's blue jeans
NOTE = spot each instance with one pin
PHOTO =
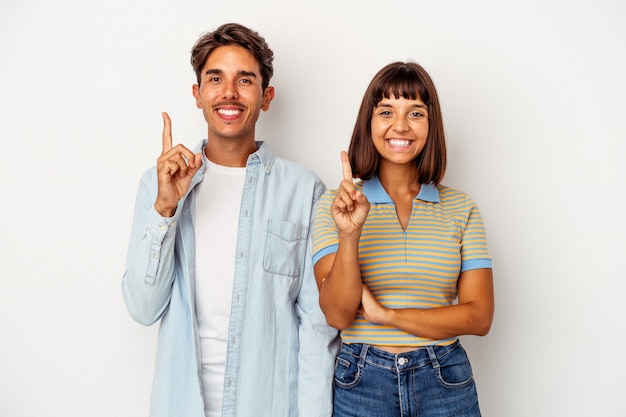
(432, 381)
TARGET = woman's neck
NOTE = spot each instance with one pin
(399, 179)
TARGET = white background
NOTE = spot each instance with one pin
(533, 96)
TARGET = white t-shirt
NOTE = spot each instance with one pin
(218, 199)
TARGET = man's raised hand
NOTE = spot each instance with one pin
(175, 169)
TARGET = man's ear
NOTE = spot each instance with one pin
(268, 96)
(195, 90)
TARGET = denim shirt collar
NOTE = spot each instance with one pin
(376, 194)
(263, 155)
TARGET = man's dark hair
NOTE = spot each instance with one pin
(234, 34)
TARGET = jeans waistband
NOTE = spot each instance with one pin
(423, 356)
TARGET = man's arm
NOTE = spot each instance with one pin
(149, 272)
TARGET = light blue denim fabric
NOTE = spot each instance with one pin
(432, 381)
(281, 352)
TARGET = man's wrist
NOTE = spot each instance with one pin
(164, 211)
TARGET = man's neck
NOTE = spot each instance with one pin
(229, 153)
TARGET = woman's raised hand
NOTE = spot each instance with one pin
(350, 207)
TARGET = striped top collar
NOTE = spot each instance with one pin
(376, 194)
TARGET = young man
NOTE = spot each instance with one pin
(220, 254)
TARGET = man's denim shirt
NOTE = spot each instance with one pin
(281, 352)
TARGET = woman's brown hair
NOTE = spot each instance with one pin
(399, 80)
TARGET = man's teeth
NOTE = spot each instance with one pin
(399, 142)
(229, 112)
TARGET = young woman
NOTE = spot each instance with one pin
(401, 261)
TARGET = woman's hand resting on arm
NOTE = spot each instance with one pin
(471, 316)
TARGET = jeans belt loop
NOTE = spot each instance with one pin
(363, 354)
(433, 357)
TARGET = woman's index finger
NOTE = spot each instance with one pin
(345, 166)
(167, 132)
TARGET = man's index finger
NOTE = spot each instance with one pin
(167, 132)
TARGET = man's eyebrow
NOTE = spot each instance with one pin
(245, 73)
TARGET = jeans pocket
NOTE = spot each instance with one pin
(455, 370)
(347, 373)
(285, 246)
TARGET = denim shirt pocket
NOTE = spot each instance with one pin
(285, 246)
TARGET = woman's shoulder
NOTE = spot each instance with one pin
(447, 190)
(450, 195)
